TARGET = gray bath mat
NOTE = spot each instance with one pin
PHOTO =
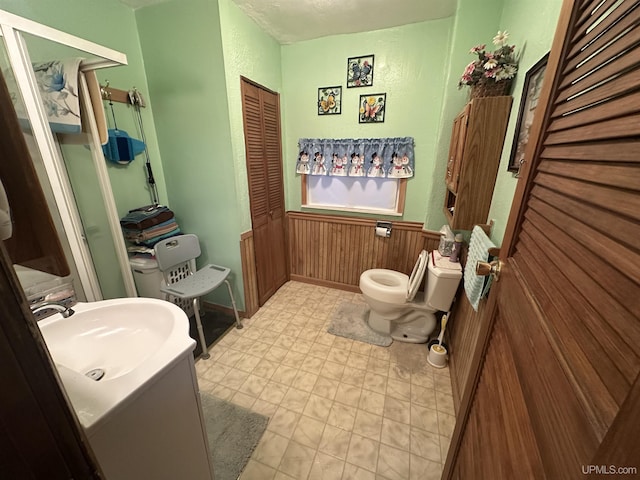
(349, 320)
(233, 434)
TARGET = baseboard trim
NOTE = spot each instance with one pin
(325, 283)
(223, 309)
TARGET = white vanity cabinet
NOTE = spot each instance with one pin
(160, 434)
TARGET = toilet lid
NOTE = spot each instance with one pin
(416, 275)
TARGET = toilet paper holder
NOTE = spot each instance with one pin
(383, 229)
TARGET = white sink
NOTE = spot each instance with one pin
(131, 340)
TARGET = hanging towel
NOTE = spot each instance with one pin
(477, 287)
(58, 84)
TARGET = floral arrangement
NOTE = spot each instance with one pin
(491, 67)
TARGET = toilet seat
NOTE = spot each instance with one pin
(417, 275)
(385, 285)
(394, 287)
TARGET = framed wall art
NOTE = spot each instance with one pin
(528, 103)
(329, 100)
(372, 108)
(360, 71)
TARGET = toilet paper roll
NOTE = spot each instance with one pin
(381, 232)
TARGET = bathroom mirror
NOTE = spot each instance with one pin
(34, 242)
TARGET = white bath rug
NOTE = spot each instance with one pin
(350, 321)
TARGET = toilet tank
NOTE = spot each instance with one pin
(442, 281)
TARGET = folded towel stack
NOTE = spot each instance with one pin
(148, 225)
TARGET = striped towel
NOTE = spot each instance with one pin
(477, 287)
(135, 235)
(150, 242)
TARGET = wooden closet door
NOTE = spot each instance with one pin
(556, 390)
(261, 110)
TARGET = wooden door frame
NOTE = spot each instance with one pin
(40, 435)
(37, 422)
(257, 85)
(516, 216)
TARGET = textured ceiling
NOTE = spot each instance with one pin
(291, 21)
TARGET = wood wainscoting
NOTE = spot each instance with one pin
(249, 273)
(463, 329)
(333, 250)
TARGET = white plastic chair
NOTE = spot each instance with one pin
(176, 260)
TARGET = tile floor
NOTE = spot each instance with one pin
(338, 408)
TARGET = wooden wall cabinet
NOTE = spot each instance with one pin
(474, 156)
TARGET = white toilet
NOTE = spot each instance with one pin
(398, 309)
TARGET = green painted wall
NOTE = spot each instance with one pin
(249, 52)
(193, 52)
(475, 22)
(182, 45)
(112, 24)
(407, 67)
(532, 25)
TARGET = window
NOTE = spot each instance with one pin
(366, 175)
(351, 194)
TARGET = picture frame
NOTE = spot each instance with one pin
(360, 71)
(330, 100)
(372, 108)
(528, 102)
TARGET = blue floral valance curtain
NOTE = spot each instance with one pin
(365, 157)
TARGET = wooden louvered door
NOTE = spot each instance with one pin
(261, 111)
(555, 393)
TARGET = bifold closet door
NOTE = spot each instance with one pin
(556, 390)
(261, 112)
